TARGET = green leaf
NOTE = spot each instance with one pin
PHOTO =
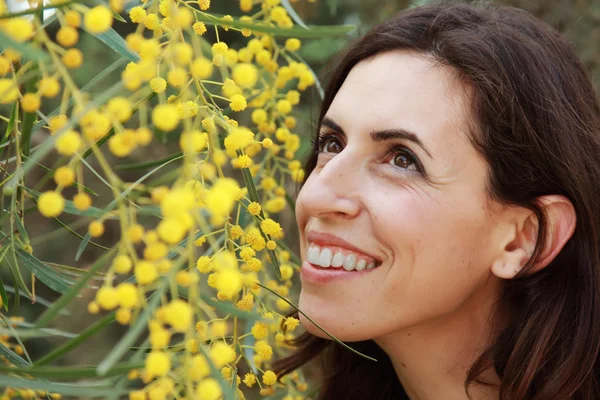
(29, 333)
(78, 340)
(28, 117)
(77, 390)
(69, 373)
(117, 16)
(310, 32)
(38, 299)
(3, 296)
(66, 298)
(21, 229)
(317, 325)
(47, 275)
(116, 43)
(13, 357)
(146, 164)
(28, 51)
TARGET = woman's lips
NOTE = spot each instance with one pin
(317, 275)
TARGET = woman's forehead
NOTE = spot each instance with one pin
(403, 89)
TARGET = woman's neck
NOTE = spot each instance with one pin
(432, 359)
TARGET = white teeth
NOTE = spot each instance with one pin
(338, 259)
(325, 258)
(360, 265)
(350, 262)
(313, 254)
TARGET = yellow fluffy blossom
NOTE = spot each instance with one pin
(193, 141)
(122, 264)
(72, 58)
(291, 323)
(270, 227)
(96, 229)
(82, 201)
(49, 87)
(238, 139)
(229, 282)
(292, 44)
(68, 143)
(120, 108)
(127, 294)
(199, 28)
(180, 315)
(107, 297)
(137, 14)
(254, 208)
(171, 230)
(64, 176)
(245, 75)
(9, 91)
(18, 29)
(221, 354)
(237, 102)
(209, 389)
(51, 204)
(263, 350)
(158, 364)
(30, 102)
(145, 272)
(275, 205)
(204, 264)
(165, 117)
(135, 233)
(269, 378)
(246, 303)
(98, 19)
(67, 36)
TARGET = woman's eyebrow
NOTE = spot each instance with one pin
(386, 134)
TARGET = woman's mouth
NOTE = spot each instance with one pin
(333, 257)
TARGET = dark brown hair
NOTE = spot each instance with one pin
(536, 121)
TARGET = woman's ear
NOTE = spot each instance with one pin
(518, 246)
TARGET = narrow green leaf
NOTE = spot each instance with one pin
(28, 51)
(82, 246)
(76, 390)
(45, 274)
(117, 16)
(29, 333)
(13, 357)
(146, 164)
(116, 43)
(78, 340)
(28, 117)
(66, 298)
(70, 373)
(21, 229)
(317, 325)
(3, 296)
(310, 32)
(38, 299)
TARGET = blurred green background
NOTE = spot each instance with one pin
(578, 20)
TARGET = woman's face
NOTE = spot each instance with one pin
(399, 182)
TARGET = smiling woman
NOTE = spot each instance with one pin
(449, 218)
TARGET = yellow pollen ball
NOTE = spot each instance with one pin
(165, 117)
(68, 143)
(157, 364)
(98, 19)
(245, 75)
(9, 91)
(96, 229)
(51, 204)
(122, 264)
(19, 29)
(64, 176)
(107, 298)
(72, 58)
(145, 272)
(30, 102)
(82, 201)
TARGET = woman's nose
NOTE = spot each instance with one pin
(334, 188)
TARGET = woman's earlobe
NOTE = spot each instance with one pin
(510, 263)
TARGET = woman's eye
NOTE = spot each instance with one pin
(329, 144)
(404, 160)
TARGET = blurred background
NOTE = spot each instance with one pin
(578, 20)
